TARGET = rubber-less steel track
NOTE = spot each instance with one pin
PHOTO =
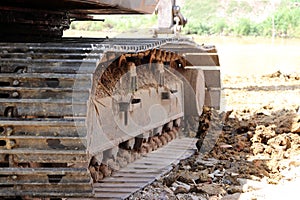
(49, 117)
(143, 171)
(62, 124)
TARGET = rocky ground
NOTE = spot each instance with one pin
(249, 151)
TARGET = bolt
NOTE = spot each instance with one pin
(16, 83)
(11, 144)
(9, 131)
(15, 94)
(21, 70)
(9, 113)
(14, 177)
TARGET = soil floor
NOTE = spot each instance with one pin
(250, 150)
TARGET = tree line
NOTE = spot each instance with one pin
(242, 18)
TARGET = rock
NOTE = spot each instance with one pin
(276, 74)
(226, 181)
(243, 127)
(210, 189)
(257, 148)
(169, 179)
(294, 163)
(168, 190)
(210, 162)
(225, 115)
(157, 185)
(240, 144)
(229, 179)
(234, 189)
(233, 174)
(225, 146)
(250, 134)
(204, 176)
(268, 150)
(181, 189)
(188, 177)
(263, 134)
(219, 173)
(186, 167)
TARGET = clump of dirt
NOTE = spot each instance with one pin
(265, 140)
(279, 74)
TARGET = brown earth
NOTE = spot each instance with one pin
(249, 151)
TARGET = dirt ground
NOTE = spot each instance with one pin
(249, 151)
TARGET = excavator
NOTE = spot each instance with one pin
(75, 110)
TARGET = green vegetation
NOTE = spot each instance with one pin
(216, 17)
(211, 17)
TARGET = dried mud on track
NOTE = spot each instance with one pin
(249, 151)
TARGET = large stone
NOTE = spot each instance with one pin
(181, 189)
(210, 189)
(188, 177)
(204, 176)
(170, 179)
(234, 189)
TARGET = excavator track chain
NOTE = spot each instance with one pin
(64, 123)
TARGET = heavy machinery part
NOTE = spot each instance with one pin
(84, 7)
(70, 105)
(202, 73)
(74, 110)
(170, 18)
(28, 19)
(144, 171)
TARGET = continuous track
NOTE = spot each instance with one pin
(54, 132)
(144, 171)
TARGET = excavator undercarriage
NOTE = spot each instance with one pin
(74, 111)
